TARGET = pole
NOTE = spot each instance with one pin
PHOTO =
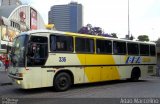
(128, 22)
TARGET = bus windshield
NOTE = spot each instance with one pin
(18, 51)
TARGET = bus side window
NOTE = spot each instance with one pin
(37, 51)
(144, 50)
(152, 50)
(98, 50)
(104, 46)
(84, 45)
(115, 50)
(61, 43)
(119, 47)
(53, 43)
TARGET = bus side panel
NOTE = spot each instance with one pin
(124, 69)
(78, 74)
(33, 77)
(142, 62)
(64, 61)
(102, 69)
(148, 69)
(47, 77)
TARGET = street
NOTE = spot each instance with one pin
(145, 88)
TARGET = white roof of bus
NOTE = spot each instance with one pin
(78, 34)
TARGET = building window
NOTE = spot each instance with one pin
(15, 25)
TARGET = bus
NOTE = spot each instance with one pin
(49, 58)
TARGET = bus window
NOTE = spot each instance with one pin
(61, 43)
(89, 45)
(133, 49)
(84, 45)
(104, 46)
(144, 49)
(37, 50)
(119, 47)
(152, 50)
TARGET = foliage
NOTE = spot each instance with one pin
(89, 29)
(114, 35)
(158, 42)
(143, 38)
(131, 38)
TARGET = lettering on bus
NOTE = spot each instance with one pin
(146, 59)
(133, 59)
(62, 59)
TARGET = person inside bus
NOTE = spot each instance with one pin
(32, 52)
(37, 54)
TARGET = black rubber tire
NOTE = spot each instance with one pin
(134, 79)
(62, 82)
(135, 75)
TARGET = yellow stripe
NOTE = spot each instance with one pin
(95, 74)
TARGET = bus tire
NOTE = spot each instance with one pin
(135, 74)
(62, 82)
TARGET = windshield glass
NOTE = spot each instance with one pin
(18, 51)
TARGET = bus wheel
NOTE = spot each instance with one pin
(135, 74)
(62, 82)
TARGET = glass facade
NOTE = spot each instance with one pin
(66, 17)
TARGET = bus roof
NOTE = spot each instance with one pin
(78, 34)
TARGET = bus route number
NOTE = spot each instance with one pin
(62, 59)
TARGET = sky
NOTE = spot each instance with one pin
(112, 15)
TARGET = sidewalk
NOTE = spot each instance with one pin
(4, 79)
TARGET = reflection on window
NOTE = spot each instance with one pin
(119, 47)
(133, 49)
(37, 50)
(144, 50)
(61, 43)
(104, 46)
(18, 50)
(84, 45)
(152, 50)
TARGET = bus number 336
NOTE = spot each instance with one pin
(62, 59)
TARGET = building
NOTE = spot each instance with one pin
(16, 18)
(66, 17)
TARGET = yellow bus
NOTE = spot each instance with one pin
(45, 58)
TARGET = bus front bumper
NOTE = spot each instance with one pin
(15, 79)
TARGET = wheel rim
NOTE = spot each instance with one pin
(63, 82)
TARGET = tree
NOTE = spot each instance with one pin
(89, 29)
(114, 35)
(143, 38)
(131, 37)
(86, 29)
(97, 31)
(158, 42)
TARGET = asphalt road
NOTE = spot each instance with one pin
(112, 92)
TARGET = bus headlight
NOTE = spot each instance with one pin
(18, 82)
